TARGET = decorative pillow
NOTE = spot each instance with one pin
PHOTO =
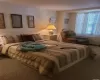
(8, 39)
(27, 37)
(19, 38)
(37, 37)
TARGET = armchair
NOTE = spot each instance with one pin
(68, 36)
(71, 37)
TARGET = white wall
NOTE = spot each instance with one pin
(60, 21)
(61, 16)
(66, 16)
(72, 21)
(41, 18)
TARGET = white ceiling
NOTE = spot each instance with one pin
(58, 4)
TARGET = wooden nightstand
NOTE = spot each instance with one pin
(0, 48)
(51, 37)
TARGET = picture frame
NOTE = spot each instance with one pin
(52, 20)
(66, 21)
(16, 21)
(2, 21)
(30, 21)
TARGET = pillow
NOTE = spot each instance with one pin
(19, 37)
(8, 39)
(37, 37)
(27, 38)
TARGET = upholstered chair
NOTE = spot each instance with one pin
(68, 36)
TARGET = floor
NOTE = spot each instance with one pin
(87, 69)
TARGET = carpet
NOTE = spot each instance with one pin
(87, 69)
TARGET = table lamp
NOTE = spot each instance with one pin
(51, 27)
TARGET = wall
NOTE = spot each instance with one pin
(41, 18)
(61, 17)
(66, 16)
(60, 21)
(72, 21)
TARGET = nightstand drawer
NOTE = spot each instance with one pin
(46, 37)
(53, 37)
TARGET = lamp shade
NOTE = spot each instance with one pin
(51, 27)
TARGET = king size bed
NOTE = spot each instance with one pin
(56, 57)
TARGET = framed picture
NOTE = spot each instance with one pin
(16, 21)
(52, 20)
(30, 20)
(66, 21)
(2, 22)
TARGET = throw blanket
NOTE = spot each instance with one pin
(31, 46)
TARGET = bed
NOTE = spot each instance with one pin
(57, 57)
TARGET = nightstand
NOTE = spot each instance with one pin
(0, 48)
(51, 37)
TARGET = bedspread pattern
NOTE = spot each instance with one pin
(49, 61)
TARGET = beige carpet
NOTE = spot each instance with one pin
(85, 70)
(13, 70)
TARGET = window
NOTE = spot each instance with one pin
(88, 23)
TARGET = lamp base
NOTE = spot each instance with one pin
(51, 32)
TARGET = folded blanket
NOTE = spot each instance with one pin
(31, 46)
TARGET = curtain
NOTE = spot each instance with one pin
(88, 23)
(79, 23)
(97, 26)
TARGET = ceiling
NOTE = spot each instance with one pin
(58, 4)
